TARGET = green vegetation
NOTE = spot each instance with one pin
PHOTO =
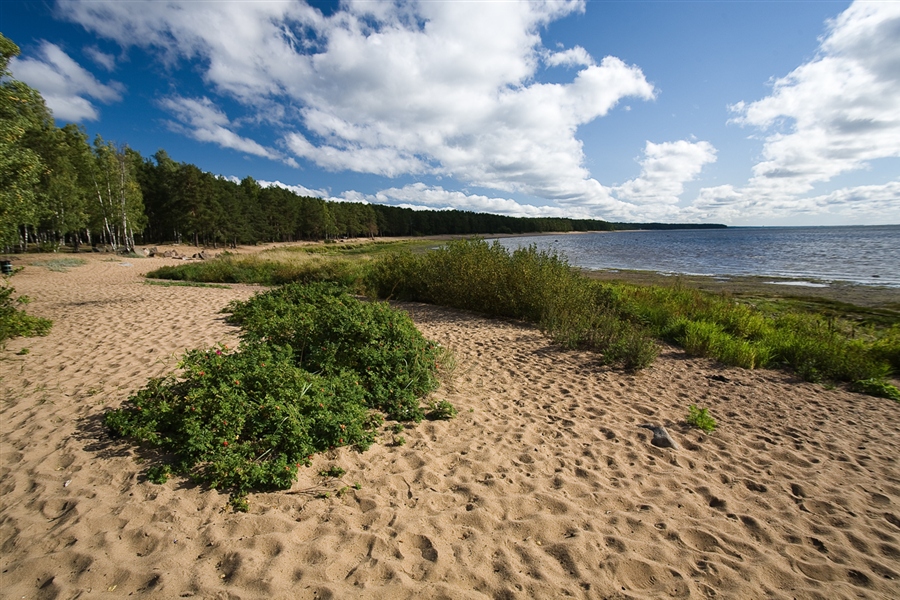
(441, 410)
(876, 387)
(315, 370)
(60, 265)
(526, 284)
(55, 187)
(186, 284)
(262, 269)
(333, 472)
(701, 419)
(14, 322)
(332, 333)
(822, 343)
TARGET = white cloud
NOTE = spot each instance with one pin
(297, 189)
(203, 121)
(572, 57)
(107, 61)
(665, 169)
(835, 113)
(443, 88)
(66, 86)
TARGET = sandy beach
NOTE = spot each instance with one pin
(544, 485)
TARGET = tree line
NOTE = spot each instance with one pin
(58, 188)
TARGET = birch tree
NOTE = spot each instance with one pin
(119, 206)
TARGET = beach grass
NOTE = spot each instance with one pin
(185, 284)
(60, 265)
(275, 268)
(821, 340)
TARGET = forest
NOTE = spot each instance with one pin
(58, 188)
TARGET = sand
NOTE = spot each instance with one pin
(544, 486)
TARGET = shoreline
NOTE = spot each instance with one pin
(865, 296)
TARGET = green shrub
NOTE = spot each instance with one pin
(877, 387)
(14, 322)
(246, 419)
(331, 332)
(701, 419)
(886, 347)
(313, 364)
(332, 472)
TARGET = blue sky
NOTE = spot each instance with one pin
(745, 113)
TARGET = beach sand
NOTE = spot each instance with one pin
(544, 485)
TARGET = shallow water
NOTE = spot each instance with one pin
(863, 255)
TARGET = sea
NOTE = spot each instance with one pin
(810, 256)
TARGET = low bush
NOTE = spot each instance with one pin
(441, 411)
(876, 387)
(618, 321)
(332, 332)
(14, 321)
(312, 368)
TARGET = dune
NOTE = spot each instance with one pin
(543, 486)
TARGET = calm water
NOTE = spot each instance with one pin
(864, 255)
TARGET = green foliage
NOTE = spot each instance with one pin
(159, 474)
(23, 115)
(60, 265)
(187, 284)
(877, 387)
(332, 472)
(313, 364)
(441, 410)
(246, 419)
(526, 284)
(14, 322)
(701, 419)
(332, 333)
(230, 268)
(815, 347)
(886, 346)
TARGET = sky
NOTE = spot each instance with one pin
(736, 112)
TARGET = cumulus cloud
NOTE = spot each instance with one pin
(203, 121)
(835, 113)
(573, 57)
(65, 85)
(849, 205)
(665, 168)
(439, 88)
(300, 190)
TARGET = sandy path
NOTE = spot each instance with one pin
(544, 486)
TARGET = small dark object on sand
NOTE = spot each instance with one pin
(661, 437)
